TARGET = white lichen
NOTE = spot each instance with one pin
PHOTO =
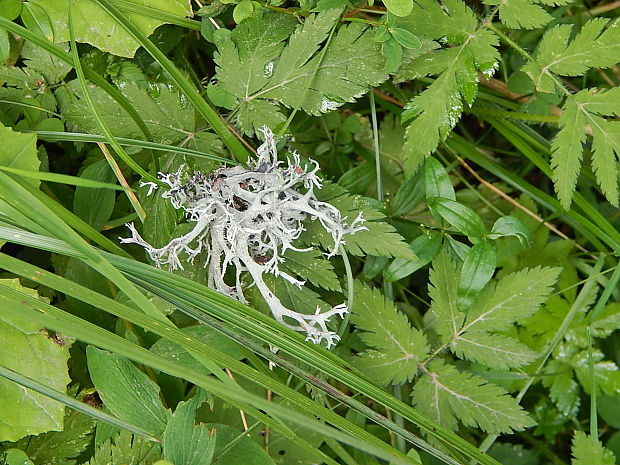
(247, 218)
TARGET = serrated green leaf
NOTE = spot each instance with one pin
(563, 389)
(596, 46)
(435, 111)
(444, 395)
(604, 102)
(253, 62)
(31, 352)
(516, 296)
(380, 238)
(517, 14)
(606, 373)
(448, 319)
(95, 26)
(312, 266)
(51, 67)
(126, 391)
(492, 350)
(126, 449)
(476, 272)
(587, 450)
(399, 347)
(425, 247)
(463, 218)
(61, 447)
(187, 443)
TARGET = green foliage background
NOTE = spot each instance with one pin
(479, 140)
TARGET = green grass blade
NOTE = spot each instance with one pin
(256, 325)
(52, 136)
(63, 179)
(172, 334)
(120, 151)
(58, 320)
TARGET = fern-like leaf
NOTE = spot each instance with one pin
(593, 47)
(517, 14)
(446, 395)
(437, 109)
(587, 108)
(316, 71)
(588, 450)
(399, 347)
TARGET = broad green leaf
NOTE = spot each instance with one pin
(61, 447)
(16, 457)
(517, 14)
(240, 452)
(608, 408)
(595, 46)
(461, 217)
(406, 38)
(243, 10)
(409, 194)
(399, 7)
(187, 443)
(357, 180)
(126, 449)
(32, 352)
(587, 450)
(492, 350)
(10, 9)
(446, 395)
(19, 151)
(126, 391)
(398, 348)
(95, 205)
(313, 267)
(442, 290)
(171, 119)
(95, 26)
(425, 247)
(161, 218)
(511, 226)
(436, 180)
(37, 20)
(476, 272)
(393, 53)
(515, 297)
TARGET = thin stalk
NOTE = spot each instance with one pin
(95, 112)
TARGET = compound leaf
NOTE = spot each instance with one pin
(445, 395)
(399, 347)
(492, 350)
